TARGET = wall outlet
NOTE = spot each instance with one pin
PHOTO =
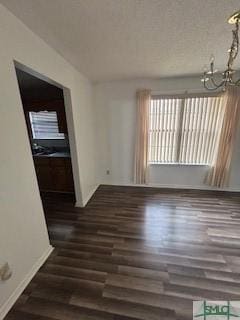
(108, 172)
(5, 272)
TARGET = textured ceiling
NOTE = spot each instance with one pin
(125, 39)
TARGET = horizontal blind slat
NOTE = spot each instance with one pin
(44, 125)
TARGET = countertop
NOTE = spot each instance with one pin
(54, 155)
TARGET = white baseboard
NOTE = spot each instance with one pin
(4, 309)
(86, 199)
(174, 186)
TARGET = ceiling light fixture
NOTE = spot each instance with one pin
(209, 79)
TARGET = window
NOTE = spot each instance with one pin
(44, 125)
(184, 130)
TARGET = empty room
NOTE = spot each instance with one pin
(120, 160)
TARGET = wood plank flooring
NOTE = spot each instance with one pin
(136, 253)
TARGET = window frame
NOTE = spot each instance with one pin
(183, 97)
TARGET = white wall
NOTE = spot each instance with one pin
(23, 235)
(116, 112)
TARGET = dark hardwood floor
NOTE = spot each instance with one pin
(136, 253)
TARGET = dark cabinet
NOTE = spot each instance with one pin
(62, 124)
(54, 174)
(44, 172)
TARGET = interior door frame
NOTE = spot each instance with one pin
(70, 126)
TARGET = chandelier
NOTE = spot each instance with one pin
(210, 80)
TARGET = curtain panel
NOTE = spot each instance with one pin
(141, 145)
(218, 175)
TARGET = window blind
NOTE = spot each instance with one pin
(164, 126)
(44, 125)
(184, 130)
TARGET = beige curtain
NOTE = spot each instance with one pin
(141, 147)
(218, 175)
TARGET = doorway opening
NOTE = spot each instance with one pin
(45, 115)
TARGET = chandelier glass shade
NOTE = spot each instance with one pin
(210, 80)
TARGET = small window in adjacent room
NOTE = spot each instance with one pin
(184, 130)
(44, 125)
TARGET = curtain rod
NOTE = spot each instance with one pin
(184, 94)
